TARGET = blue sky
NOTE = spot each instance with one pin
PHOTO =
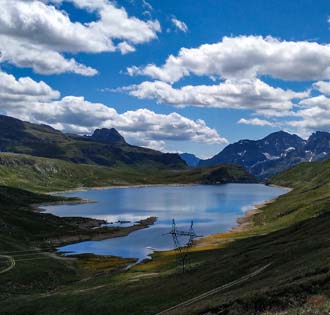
(282, 82)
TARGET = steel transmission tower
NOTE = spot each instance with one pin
(183, 250)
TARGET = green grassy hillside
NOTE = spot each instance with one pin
(44, 175)
(310, 196)
(299, 270)
(305, 175)
(25, 235)
(292, 235)
(20, 224)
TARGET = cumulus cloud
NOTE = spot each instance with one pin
(255, 122)
(180, 25)
(125, 48)
(23, 91)
(313, 115)
(245, 57)
(33, 29)
(237, 94)
(37, 102)
(239, 63)
(40, 59)
(322, 86)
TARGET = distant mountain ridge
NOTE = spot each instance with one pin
(105, 147)
(44, 175)
(191, 159)
(273, 154)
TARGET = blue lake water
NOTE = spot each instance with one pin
(212, 208)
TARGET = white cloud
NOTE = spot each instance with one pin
(40, 59)
(236, 94)
(322, 86)
(255, 122)
(33, 29)
(310, 115)
(23, 91)
(313, 115)
(125, 48)
(245, 57)
(180, 25)
(37, 102)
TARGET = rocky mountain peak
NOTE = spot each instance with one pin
(274, 153)
(105, 135)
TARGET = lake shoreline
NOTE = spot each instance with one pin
(244, 224)
(245, 221)
(278, 186)
(81, 189)
(94, 231)
(90, 229)
(38, 207)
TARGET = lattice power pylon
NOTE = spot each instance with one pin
(183, 250)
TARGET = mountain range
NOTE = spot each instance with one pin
(104, 147)
(275, 153)
(107, 147)
(41, 158)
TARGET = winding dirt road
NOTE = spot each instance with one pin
(198, 298)
(16, 256)
(11, 261)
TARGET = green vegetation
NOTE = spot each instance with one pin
(23, 230)
(292, 234)
(25, 235)
(45, 175)
(305, 175)
(91, 264)
(315, 305)
(300, 268)
(309, 198)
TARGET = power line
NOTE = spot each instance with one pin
(182, 251)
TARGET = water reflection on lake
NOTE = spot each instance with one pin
(213, 209)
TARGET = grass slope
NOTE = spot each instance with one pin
(300, 268)
(310, 196)
(44, 175)
(24, 235)
(292, 234)
(22, 229)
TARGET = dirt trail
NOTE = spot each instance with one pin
(214, 291)
(12, 263)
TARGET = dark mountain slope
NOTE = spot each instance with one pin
(44, 175)
(191, 159)
(105, 147)
(111, 136)
(318, 145)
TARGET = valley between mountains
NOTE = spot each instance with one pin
(290, 235)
